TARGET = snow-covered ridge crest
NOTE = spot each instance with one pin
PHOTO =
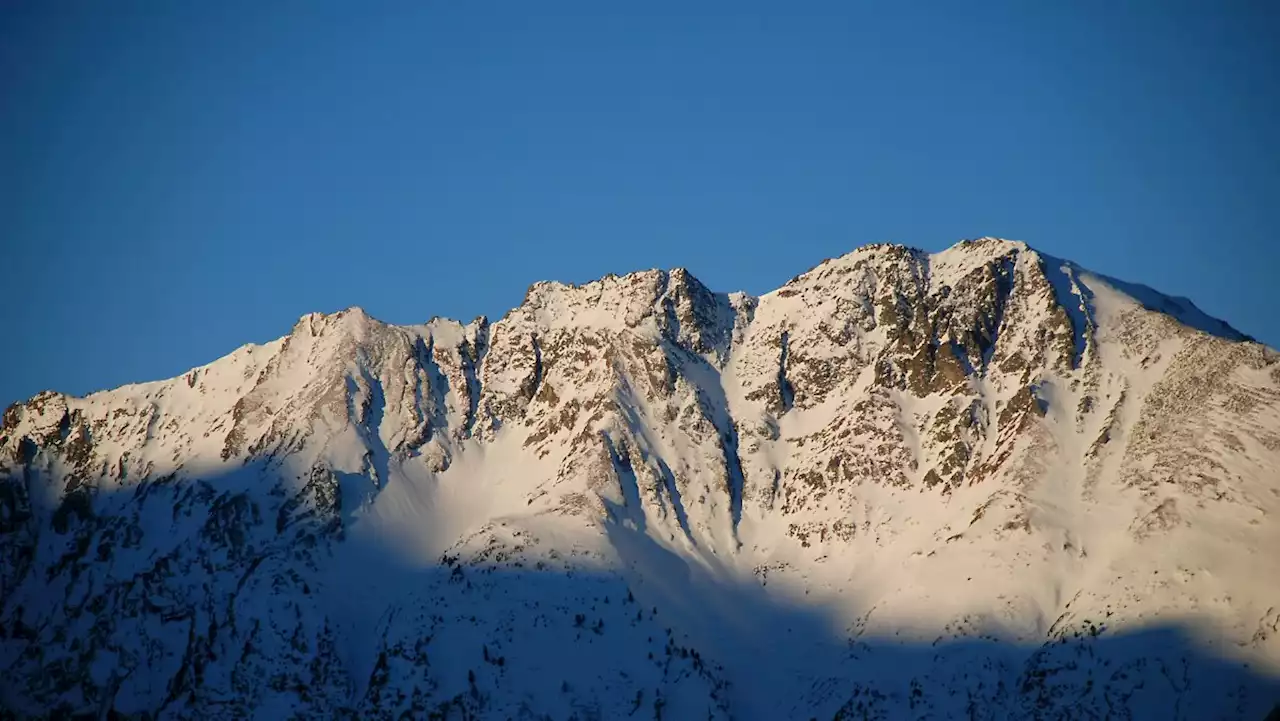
(980, 482)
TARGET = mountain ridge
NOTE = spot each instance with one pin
(857, 448)
(1154, 300)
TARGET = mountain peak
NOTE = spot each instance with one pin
(925, 483)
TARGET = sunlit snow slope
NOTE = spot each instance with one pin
(984, 483)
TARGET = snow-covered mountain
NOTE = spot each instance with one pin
(984, 483)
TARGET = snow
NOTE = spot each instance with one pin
(632, 495)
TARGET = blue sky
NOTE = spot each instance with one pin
(177, 179)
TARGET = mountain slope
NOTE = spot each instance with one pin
(982, 482)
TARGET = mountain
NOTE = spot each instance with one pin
(984, 483)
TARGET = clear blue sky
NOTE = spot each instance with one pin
(179, 178)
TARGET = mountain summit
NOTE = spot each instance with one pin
(984, 483)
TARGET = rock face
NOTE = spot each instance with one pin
(983, 483)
